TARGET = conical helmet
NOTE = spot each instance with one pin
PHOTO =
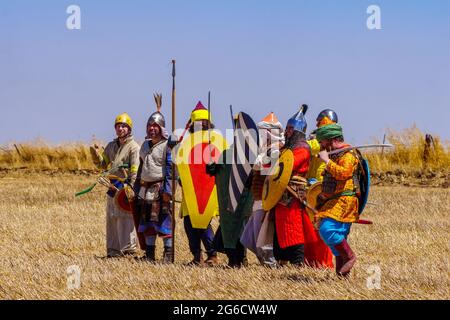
(157, 117)
(298, 121)
(270, 122)
(200, 113)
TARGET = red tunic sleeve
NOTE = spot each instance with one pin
(301, 160)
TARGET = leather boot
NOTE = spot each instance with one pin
(348, 257)
(198, 260)
(167, 255)
(231, 258)
(212, 261)
(283, 263)
(150, 253)
(338, 265)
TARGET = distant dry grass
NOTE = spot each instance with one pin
(406, 158)
(44, 230)
(409, 155)
(39, 155)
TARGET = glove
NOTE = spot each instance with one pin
(173, 141)
(211, 169)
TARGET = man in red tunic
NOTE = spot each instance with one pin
(295, 239)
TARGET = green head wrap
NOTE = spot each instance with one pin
(329, 131)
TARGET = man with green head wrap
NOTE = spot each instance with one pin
(337, 203)
(316, 166)
(329, 132)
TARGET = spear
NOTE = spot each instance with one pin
(232, 117)
(173, 163)
(209, 126)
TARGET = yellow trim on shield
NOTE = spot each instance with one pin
(200, 221)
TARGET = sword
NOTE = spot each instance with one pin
(360, 147)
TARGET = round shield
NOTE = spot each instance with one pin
(311, 198)
(122, 202)
(364, 183)
(277, 180)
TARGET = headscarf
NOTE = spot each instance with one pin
(272, 128)
(329, 131)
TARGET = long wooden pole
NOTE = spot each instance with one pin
(232, 116)
(173, 163)
(209, 127)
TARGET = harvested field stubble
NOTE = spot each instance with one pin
(45, 230)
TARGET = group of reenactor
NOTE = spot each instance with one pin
(278, 229)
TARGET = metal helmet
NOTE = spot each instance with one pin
(298, 121)
(157, 117)
(328, 113)
(124, 118)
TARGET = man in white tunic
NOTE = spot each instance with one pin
(121, 156)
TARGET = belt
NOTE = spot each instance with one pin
(149, 184)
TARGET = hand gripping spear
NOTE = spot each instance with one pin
(173, 163)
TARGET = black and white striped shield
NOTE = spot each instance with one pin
(245, 151)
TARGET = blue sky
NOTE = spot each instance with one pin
(260, 56)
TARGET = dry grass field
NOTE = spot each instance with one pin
(44, 230)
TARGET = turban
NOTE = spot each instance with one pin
(329, 131)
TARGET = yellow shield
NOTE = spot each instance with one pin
(277, 180)
(311, 198)
(199, 190)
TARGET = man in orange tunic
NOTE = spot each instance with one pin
(338, 203)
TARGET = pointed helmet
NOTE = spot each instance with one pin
(200, 113)
(157, 117)
(298, 120)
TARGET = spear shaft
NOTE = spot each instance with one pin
(209, 126)
(173, 163)
(232, 116)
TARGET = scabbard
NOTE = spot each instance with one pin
(360, 221)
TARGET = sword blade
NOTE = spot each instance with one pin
(362, 147)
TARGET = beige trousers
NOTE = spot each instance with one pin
(120, 231)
